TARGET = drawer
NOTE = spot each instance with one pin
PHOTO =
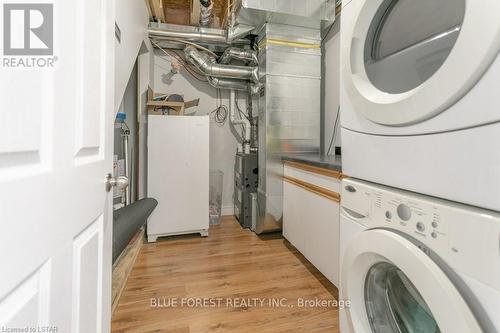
(324, 178)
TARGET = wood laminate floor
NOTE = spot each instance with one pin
(233, 269)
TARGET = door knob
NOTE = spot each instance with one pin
(119, 182)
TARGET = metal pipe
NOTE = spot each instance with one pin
(253, 122)
(125, 136)
(194, 36)
(221, 83)
(240, 54)
(209, 67)
(198, 35)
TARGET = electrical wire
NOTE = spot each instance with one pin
(239, 110)
(220, 113)
(327, 33)
(189, 43)
(334, 135)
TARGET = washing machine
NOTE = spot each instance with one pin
(420, 96)
(412, 263)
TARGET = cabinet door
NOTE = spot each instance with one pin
(293, 229)
(322, 233)
(311, 224)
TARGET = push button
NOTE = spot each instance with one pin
(420, 227)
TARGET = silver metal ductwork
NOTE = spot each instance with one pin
(194, 36)
(201, 35)
(289, 110)
(238, 31)
(230, 53)
(303, 13)
(210, 67)
(229, 84)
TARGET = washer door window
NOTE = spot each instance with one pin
(405, 61)
(393, 303)
(409, 41)
(393, 286)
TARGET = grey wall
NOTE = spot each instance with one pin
(146, 73)
(129, 106)
(330, 93)
(223, 143)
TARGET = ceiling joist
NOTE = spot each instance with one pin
(156, 9)
(187, 12)
(195, 12)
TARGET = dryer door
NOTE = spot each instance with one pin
(393, 286)
(405, 61)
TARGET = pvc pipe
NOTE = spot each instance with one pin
(243, 121)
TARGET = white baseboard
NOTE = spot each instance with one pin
(227, 210)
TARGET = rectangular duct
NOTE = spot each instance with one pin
(304, 13)
(289, 110)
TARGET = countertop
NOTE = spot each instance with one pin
(322, 161)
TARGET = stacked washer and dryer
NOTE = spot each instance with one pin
(420, 229)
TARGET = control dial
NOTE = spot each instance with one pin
(420, 227)
(404, 212)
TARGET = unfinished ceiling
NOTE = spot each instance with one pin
(187, 12)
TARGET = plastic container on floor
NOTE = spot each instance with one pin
(216, 183)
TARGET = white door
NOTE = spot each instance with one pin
(405, 61)
(55, 150)
(394, 286)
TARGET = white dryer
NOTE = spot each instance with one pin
(420, 96)
(412, 263)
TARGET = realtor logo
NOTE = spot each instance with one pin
(28, 29)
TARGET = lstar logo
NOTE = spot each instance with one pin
(28, 29)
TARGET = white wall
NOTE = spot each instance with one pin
(331, 85)
(223, 143)
(132, 18)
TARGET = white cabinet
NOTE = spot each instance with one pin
(178, 175)
(311, 214)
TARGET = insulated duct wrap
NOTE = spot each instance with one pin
(205, 12)
(289, 110)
